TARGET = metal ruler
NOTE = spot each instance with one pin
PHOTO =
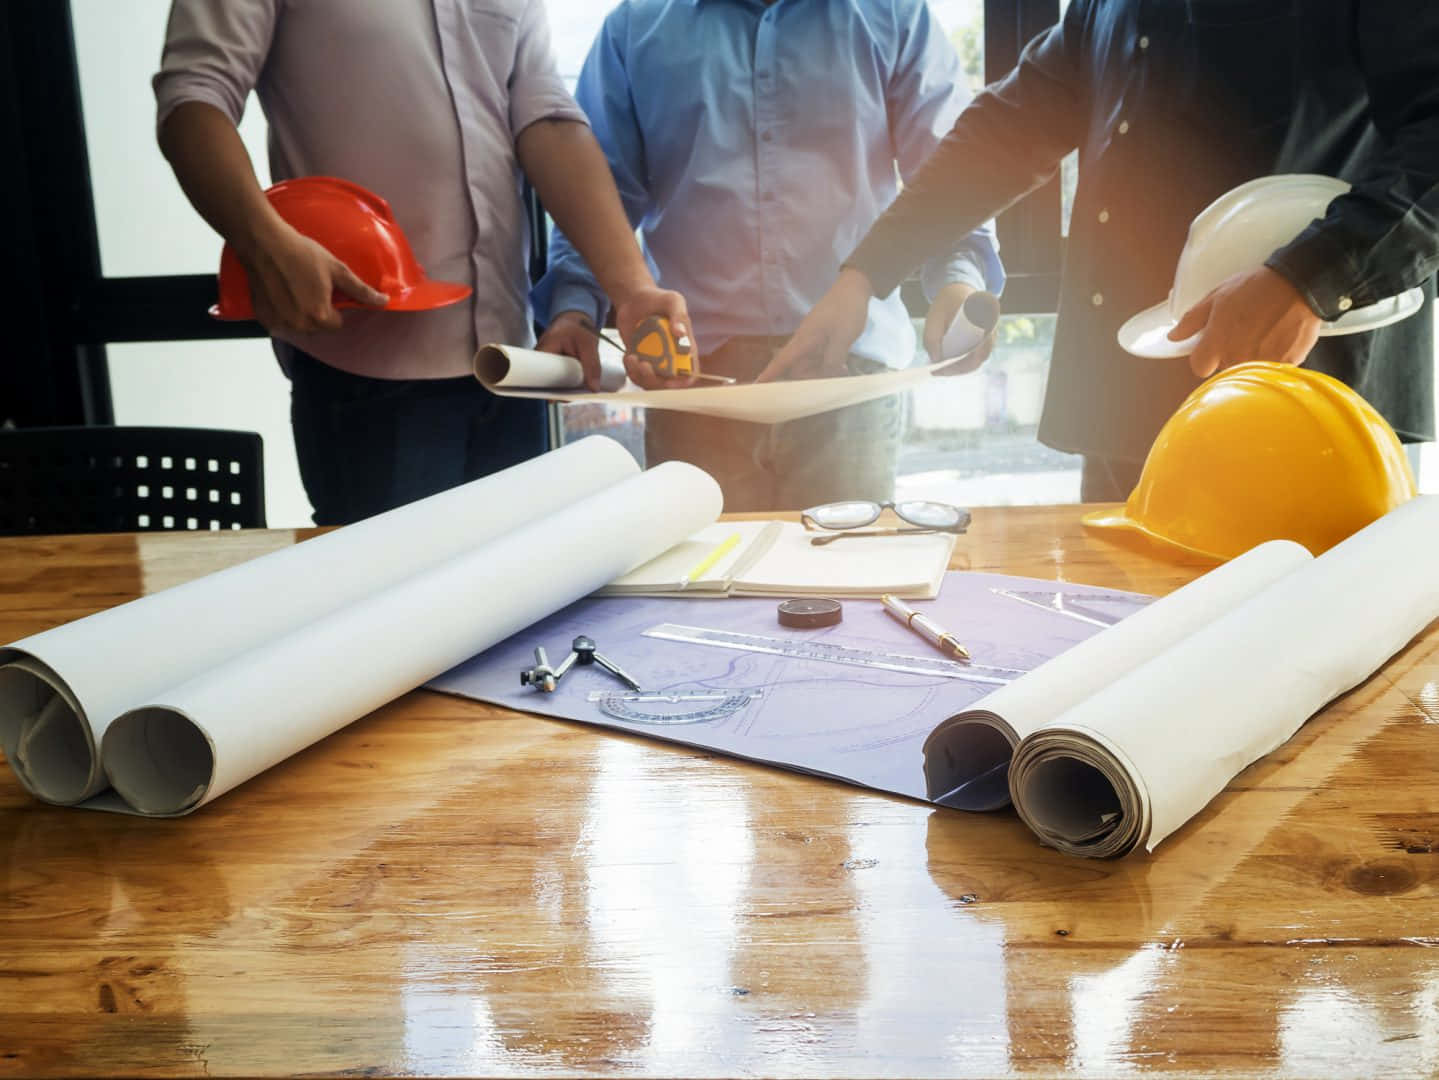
(835, 654)
(672, 707)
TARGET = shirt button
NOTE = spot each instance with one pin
(766, 136)
(1345, 303)
(1144, 41)
(1124, 127)
(1097, 299)
(1103, 216)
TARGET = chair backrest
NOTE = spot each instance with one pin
(129, 479)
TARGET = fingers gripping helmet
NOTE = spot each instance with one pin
(359, 229)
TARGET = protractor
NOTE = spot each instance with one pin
(672, 707)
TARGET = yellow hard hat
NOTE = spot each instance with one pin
(1261, 452)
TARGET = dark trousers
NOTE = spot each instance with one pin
(847, 453)
(1105, 479)
(369, 445)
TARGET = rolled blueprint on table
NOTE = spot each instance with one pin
(351, 604)
(966, 758)
(760, 403)
(1131, 763)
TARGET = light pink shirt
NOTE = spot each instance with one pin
(418, 100)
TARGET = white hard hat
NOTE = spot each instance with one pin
(1236, 233)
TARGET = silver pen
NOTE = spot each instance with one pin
(925, 627)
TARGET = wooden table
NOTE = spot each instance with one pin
(449, 888)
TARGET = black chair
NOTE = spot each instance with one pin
(129, 479)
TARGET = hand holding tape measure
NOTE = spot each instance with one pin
(668, 358)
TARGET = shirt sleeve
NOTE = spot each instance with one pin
(213, 54)
(536, 90)
(1382, 237)
(604, 92)
(1009, 141)
(925, 94)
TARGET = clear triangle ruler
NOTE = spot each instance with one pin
(1097, 609)
(835, 654)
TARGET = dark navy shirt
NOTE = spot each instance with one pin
(1171, 103)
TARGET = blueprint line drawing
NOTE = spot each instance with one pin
(820, 711)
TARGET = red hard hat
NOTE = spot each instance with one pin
(359, 229)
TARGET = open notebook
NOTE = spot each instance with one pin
(777, 558)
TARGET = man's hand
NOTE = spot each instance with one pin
(1256, 315)
(572, 333)
(292, 281)
(942, 313)
(638, 304)
(820, 347)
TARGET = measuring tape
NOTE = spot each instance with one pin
(835, 654)
(672, 707)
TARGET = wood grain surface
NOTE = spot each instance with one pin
(447, 888)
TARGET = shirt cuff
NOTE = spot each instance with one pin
(958, 270)
(544, 106)
(884, 269)
(1323, 273)
(573, 297)
(174, 92)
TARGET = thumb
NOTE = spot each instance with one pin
(584, 349)
(935, 326)
(349, 283)
(1195, 319)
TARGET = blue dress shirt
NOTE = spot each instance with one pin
(754, 145)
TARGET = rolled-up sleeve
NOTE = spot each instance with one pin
(536, 90)
(214, 51)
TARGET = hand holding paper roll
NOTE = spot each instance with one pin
(960, 327)
(568, 358)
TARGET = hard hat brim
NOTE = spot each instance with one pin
(1119, 521)
(1147, 334)
(426, 296)
(429, 295)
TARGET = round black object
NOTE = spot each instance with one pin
(810, 612)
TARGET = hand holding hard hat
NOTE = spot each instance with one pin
(1221, 281)
(1255, 315)
(346, 251)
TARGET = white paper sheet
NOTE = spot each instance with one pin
(514, 372)
(228, 674)
(1134, 761)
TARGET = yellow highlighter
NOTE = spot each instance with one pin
(716, 554)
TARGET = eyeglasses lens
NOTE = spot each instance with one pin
(844, 515)
(933, 515)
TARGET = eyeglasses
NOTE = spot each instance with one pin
(922, 515)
